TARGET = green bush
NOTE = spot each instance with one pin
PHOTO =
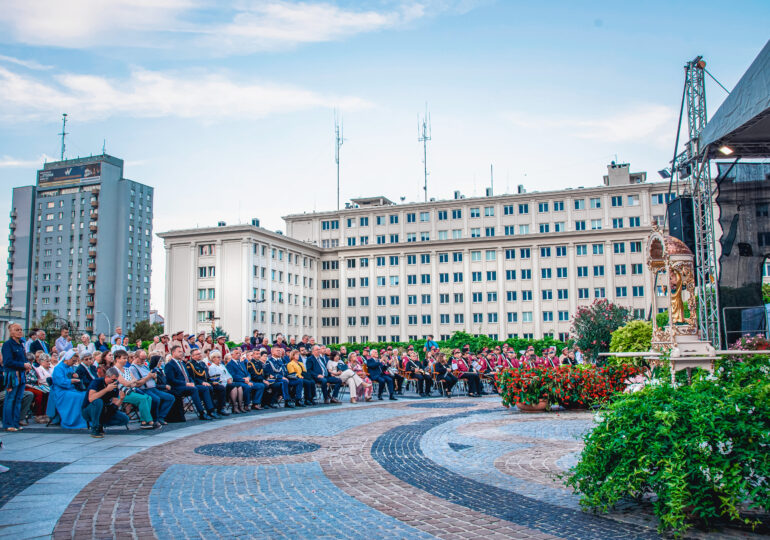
(701, 449)
(633, 337)
(593, 326)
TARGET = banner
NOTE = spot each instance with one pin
(69, 174)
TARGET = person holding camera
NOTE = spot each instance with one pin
(101, 406)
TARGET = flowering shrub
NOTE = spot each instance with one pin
(568, 386)
(702, 450)
(592, 326)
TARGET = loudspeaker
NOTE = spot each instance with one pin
(681, 221)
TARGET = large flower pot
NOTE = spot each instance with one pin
(540, 407)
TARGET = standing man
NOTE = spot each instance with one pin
(63, 342)
(179, 340)
(15, 366)
(117, 335)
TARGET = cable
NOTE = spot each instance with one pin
(676, 146)
(716, 81)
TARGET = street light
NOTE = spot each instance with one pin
(109, 324)
(255, 301)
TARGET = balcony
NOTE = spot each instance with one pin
(94, 213)
(91, 278)
(92, 226)
(91, 252)
(13, 214)
(94, 203)
(12, 225)
(11, 237)
(89, 304)
(90, 290)
(92, 266)
(11, 248)
(92, 241)
(90, 316)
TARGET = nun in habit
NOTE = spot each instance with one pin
(65, 400)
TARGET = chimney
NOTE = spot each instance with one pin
(521, 189)
(457, 194)
(489, 192)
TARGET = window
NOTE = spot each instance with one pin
(523, 229)
(617, 223)
(443, 235)
(492, 317)
(489, 231)
(617, 200)
(411, 237)
(443, 298)
(526, 296)
(599, 292)
(598, 270)
(526, 273)
(351, 282)
(491, 275)
(393, 219)
(395, 320)
(526, 316)
(583, 293)
(582, 271)
(510, 274)
(598, 249)
(426, 319)
(561, 251)
(542, 207)
(443, 277)
(636, 269)
(458, 298)
(489, 211)
(545, 273)
(444, 318)
(442, 215)
(621, 292)
(364, 262)
(492, 296)
(545, 228)
(558, 206)
(547, 294)
(425, 258)
(457, 214)
(380, 238)
(634, 222)
(475, 212)
(618, 247)
(393, 281)
(545, 252)
(364, 281)
(513, 316)
(478, 317)
(580, 204)
(510, 254)
(633, 200)
(524, 208)
(581, 249)
(457, 277)
(475, 255)
(443, 257)
(411, 299)
(548, 316)
(635, 247)
(508, 210)
(393, 260)
(363, 222)
(490, 255)
(424, 278)
(580, 225)
(637, 290)
(411, 279)
(476, 297)
(563, 316)
(380, 261)
(510, 296)
(562, 294)
(596, 202)
(411, 217)
(475, 276)
(457, 234)
(394, 239)
(524, 253)
(561, 272)
(351, 241)
(620, 269)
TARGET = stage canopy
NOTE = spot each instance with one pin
(742, 123)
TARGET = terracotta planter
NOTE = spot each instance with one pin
(542, 406)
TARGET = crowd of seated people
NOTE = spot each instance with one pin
(93, 384)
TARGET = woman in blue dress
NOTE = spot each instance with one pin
(66, 399)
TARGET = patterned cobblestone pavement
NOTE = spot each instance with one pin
(460, 468)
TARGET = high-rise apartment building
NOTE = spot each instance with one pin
(81, 245)
(504, 266)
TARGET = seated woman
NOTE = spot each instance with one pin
(218, 372)
(39, 387)
(365, 389)
(296, 367)
(338, 368)
(65, 400)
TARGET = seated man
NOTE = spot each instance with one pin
(253, 389)
(86, 370)
(181, 385)
(416, 370)
(200, 376)
(444, 373)
(133, 396)
(278, 377)
(320, 374)
(377, 373)
(101, 406)
(161, 401)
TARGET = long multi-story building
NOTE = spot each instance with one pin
(504, 266)
(81, 245)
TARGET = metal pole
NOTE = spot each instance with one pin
(109, 324)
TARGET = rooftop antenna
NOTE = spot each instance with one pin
(423, 136)
(63, 133)
(338, 140)
(104, 146)
(492, 177)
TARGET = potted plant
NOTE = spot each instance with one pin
(529, 389)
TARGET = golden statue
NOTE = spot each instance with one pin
(677, 304)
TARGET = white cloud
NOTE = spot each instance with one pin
(8, 162)
(205, 26)
(148, 94)
(648, 122)
(29, 64)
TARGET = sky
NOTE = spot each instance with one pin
(227, 108)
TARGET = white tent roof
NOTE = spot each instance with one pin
(743, 120)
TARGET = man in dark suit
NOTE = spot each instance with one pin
(181, 385)
(316, 367)
(39, 343)
(200, 376)
(278, 375)
(86, 370)
(377, 373)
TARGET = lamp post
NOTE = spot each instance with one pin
(255, 301)
(109, 324)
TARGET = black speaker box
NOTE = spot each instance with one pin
(681, 221)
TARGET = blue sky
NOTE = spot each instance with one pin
(228, 111)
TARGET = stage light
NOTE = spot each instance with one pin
(664, 173)
(726, 150)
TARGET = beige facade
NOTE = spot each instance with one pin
(214, 274)
(504, 266)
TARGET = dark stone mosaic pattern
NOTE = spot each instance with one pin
(257, 449)
(23, 474)
(441, 405)
(419, 471)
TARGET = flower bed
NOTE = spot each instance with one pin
(700, 452)
(568, 386)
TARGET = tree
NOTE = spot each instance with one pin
(592, 326)
(145, 331)
(633, 337)
(219, 331)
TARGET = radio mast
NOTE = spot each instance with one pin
(338, 140)
(63, 133)
(423, 136)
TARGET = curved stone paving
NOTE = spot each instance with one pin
(460, 468)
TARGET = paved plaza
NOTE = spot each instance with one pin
(435, 468)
